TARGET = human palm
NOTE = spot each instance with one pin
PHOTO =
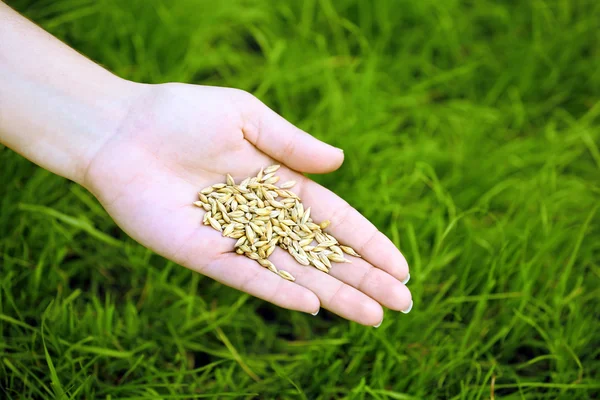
(177, 139)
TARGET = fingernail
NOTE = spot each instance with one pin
(379, 324)
(409, 308)
(407, 279)
(316, 312)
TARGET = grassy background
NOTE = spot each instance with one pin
(475, 122)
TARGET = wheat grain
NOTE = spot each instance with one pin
(250, 234)
(261, 253)
(337, 258)
(324, 259)
(272, 168)
(286, 275)
(241, 241)
(228, 230)
(319, 265)
(214, 223)
(288, 185)
(349, 250)
(202, 197)
(262, 216)
(230, 180)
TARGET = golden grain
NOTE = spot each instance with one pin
(226, 190)
(276, 204)
(337, 258)
(202, 197)
(228, 230)
(214, 223)
(241, 241)
(222, 208)
(305, 242)
(319, 265)
(294, 236)
(272, 168)
(324, 260)
(279, 231)
(267, 176)
(262, 211)
(230, 180)
(305, 216)
(250, 234)
(328, 243)
(302, 260)
(288, 185)
(255, 228)
(286, 275)
(328, 236)
(349, 250)
(262, 216)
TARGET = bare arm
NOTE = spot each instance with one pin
(56, 106)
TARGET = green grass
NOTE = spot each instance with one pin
(476, 124)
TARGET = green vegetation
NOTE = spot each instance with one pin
(477, 124)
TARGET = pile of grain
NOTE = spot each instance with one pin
(262, 216)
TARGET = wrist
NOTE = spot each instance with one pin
(106, 117)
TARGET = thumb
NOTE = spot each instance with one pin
(284, 142)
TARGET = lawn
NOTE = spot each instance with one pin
(472, 138)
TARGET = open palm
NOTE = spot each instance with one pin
(180, 138)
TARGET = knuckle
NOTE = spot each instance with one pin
(341, 213)
(243, 98)
(289, 149)
(364, 278)
(247, 282)
(335, 295)
(274, 295)
(368, 241)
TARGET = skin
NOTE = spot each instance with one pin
(145, 150)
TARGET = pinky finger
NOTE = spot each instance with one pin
(248, 276)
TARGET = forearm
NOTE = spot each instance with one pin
(57, 108)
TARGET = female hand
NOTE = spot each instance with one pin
(146, 150)
(177, 139)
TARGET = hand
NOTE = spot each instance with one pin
(145, 151)
(177, 139)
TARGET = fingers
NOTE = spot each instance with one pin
(204, 250)
(349, 226)
(373, 282)
(282, 141)
(334, 295)
(248, 276)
